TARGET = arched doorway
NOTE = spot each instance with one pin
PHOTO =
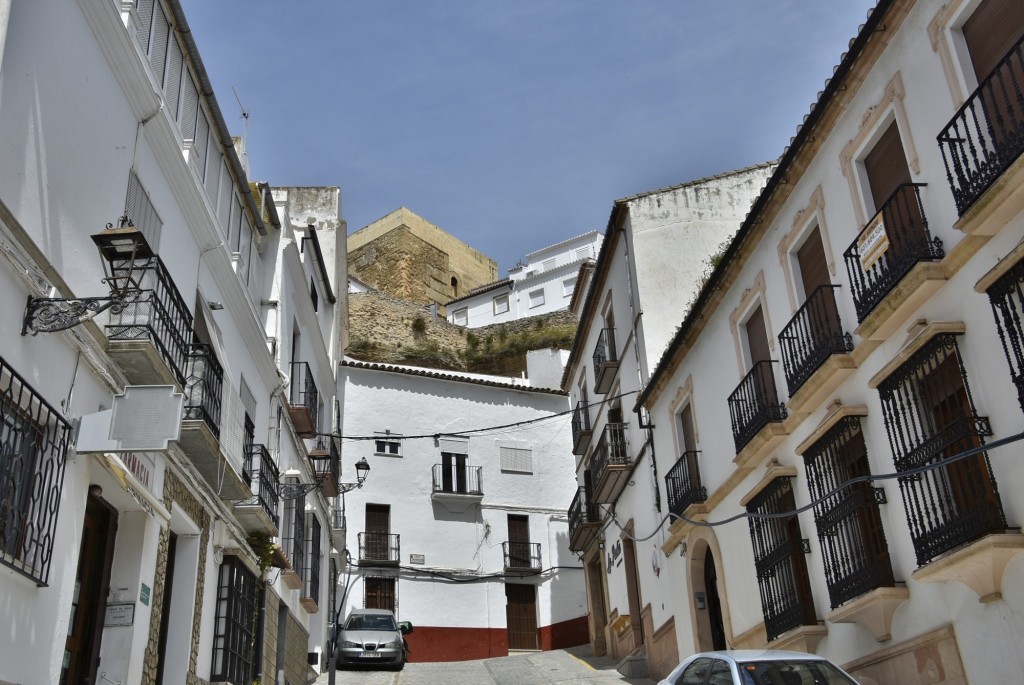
(709, 618)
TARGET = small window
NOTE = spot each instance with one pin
(548, 264)
(500, 304)
(568, 285)
(460, 317)
(536, 297)
(388, 445)
(516, 459)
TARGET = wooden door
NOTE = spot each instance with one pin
(519, 541)
(886, 166)
(800, 578)
(378, 529)
(453, 472)
(991, 34)
(822, 312)
(379, 593)
(993, 29)
(633, 591)
(82, 646)
(757, 346)
(521, 616)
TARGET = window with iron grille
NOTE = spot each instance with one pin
(234, 639)
(33, 451)
(141, 212)
(313, 555)
(930, 415)
(853, 545)
(779, 560)
(293, 530)
(380, 592)
(1007, 298)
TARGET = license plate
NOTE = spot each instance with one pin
(369, 655)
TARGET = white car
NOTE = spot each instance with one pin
(757, 667)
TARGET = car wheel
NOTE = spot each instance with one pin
(400, 665)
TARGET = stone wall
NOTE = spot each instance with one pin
(296, 666)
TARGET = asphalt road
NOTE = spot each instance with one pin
(559, 667)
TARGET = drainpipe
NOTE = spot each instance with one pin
(5, 18)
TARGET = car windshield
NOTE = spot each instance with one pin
(370, 622)
(791, 673)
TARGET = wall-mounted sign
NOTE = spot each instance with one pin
(872, 243)
(417, 559)
(144, 594)
(613, 556)
(120, 614)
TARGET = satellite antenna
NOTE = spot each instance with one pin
(245, 132)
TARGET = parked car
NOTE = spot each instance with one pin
(757, 667)
(372, 637)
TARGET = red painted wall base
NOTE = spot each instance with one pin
(569, 633)
(435, 643)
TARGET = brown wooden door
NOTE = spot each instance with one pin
(89, 601)
(378, 529)
(519, 541)
(852, 462)
(886, 166)
(822, 312)
(800, 579)
(521, 616)
(757, 337)
(379, 593)
(633, 591)
(994, 28)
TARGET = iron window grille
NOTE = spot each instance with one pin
(34, 441)
(853, 545)
(683, 485)
(521, 555)
(930, 415)
(303, 391)
(234, 639)
(296, 543)
(986, 135)
(380, 592)
(755, 403)
(381, 548)
(263, 476)
(779, 560)
(314, 556)
(1007, 298)
(581, 511)
(812, 336)
(580, 425)
(204, 383)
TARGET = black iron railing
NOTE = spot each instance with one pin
(856, 555)
(779, 550)
(812, 335)
(303, 391)
(263, 476)
(612, 449)
(604, 350)
(235, 627)
(683, 485)
(755, 403)
(158, 314)
(312, 588)
(33, 453)
(458, 479)
(522, 555)
(581, 430)
(986, 135)
(1007, 298)
(581, 511)
(379, 547)
(929, 415)
(338, 516)
(204, 379)
(893, 242)
(295, 545)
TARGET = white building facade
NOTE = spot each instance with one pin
(656, 248)
(148, 419)
(856, 358)
(460, 525)
(544, 284)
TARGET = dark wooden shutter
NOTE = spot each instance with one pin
(378, 526)
(686, 423)
(757, 337)
(994, 28)
(813, 266)
(379, 593)
(886, 166)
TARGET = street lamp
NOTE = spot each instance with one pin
(121, 249)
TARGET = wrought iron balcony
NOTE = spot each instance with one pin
(893, 242)
(204, 381)
(812, 335)
(581, 430)
(303, 400)
(986, 135)
(522, 556)
(379, 549)
(150, 335)
(584, 521)
(1007, 298)
(754, 404)
(611, 463)
(606, 361)
(459, 481)
(259, 514)
(325, 458)
(683, 485)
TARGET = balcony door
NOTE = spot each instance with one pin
(453, 472)
(994, 28)
(886, 166)
(521, 616)
(519, 541)
(378, 530)
(757, 347)
(813, 264)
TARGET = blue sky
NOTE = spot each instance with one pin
(514, 125)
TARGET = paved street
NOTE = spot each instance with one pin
(535, 668)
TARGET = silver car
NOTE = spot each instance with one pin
(372, 637)
(757, 667)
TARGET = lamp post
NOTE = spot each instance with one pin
(121, 248)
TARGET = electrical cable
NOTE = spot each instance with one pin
(449, 576)
(839, 488)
